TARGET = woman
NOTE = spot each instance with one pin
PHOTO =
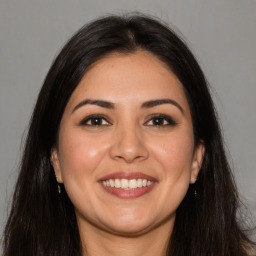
(124, 154)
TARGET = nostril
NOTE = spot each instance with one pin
(130, 157)
(128, 145)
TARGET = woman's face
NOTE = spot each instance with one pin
(126, 151)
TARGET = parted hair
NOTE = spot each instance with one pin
(42, 222)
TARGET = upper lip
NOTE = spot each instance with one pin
(128, 175)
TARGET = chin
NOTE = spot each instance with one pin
(135, 226)
(128, 229)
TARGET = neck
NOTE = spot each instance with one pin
(96, 242)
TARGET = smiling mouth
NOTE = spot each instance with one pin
(128, 185)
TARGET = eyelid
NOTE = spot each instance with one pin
(169, 119)
(95, 116)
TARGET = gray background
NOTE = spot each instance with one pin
(221, 33)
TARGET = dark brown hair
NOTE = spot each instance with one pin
(42, 222)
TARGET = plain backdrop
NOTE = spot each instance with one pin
(221, 33)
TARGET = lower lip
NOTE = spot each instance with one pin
(128, 193)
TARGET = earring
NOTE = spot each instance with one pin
(195, 194)
(59, 189)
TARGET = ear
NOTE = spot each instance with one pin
(56, 164)
(197, 161)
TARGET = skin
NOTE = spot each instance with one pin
(127, 139)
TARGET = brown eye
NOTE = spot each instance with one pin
(161, 120)
(95, 121)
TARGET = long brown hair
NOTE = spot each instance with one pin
(42, 222)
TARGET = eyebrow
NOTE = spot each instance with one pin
(100, 103)
(153, 103)
(147, 104)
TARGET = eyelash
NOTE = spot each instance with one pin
(95, 117)
(168, 121)
(164, 118)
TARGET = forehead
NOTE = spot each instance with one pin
(133, 77)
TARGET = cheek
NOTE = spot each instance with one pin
(175, 158)
(80, 158)
(80, 155)
(174, 155)
(175, 152)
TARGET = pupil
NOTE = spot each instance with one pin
(158, 121)
(96, 121)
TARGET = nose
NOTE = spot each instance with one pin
(129, 146)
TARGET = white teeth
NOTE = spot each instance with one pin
(149, 183)
(124, 183)
(117, 183)
(133, 183)
(112, 183)
(127, 184)
(139, 183)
